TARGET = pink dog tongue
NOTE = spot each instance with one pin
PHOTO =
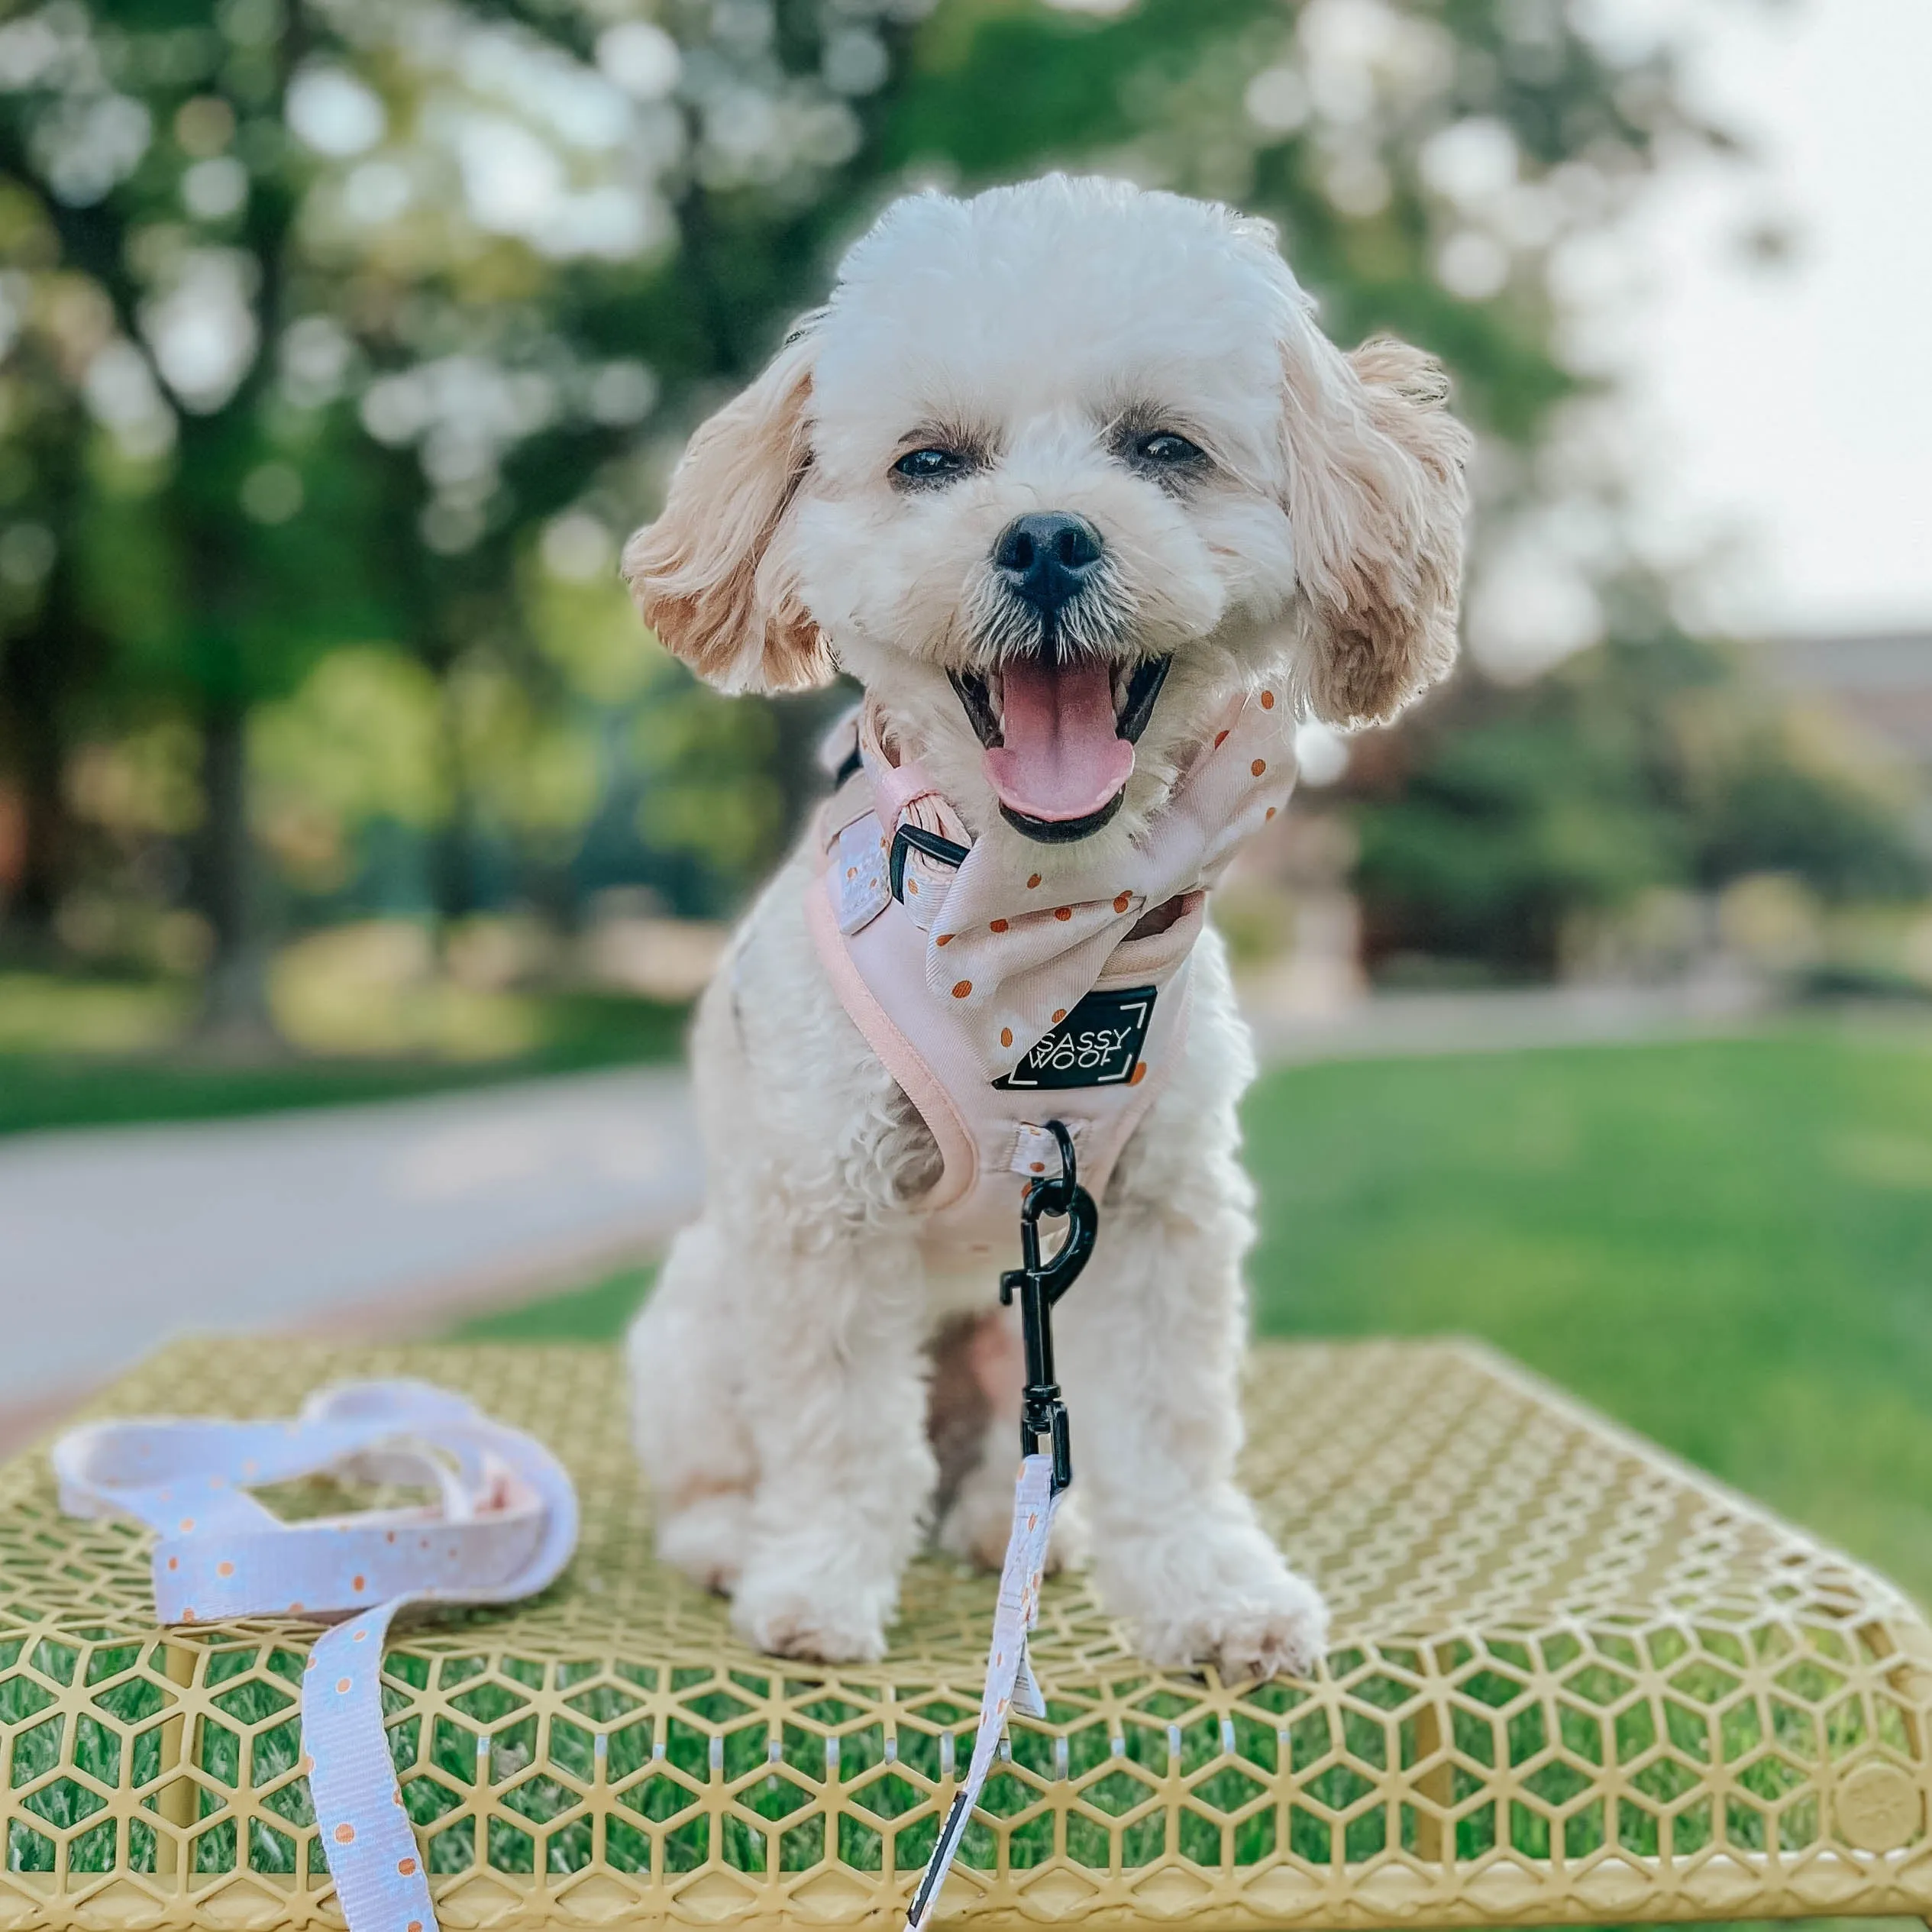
(1062, 759)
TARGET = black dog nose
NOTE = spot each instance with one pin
(1046, 558)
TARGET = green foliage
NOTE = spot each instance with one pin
(1778, 807)
(358, 740)
(714, 797)
(342, 353)
(1503, 813)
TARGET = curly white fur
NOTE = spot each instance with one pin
(780, 1365)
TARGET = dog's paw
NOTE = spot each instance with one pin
(809, 1618)
(1225, 1599)
(1282, 1633)
(707, 1540)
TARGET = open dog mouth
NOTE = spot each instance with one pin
(1060, 737)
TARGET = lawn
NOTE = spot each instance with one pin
(106, 1055)
(1727, 1245)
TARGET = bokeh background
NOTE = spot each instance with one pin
(341, 343)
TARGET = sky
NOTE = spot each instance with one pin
(1784, 413)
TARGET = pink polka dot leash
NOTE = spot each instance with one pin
(1010, 1682)
(502, 1527)
(1036, 1285)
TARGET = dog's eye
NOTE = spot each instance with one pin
(1165, 448)
(932, 464)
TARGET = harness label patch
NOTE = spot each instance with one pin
(857, 875)
(1097, 1045)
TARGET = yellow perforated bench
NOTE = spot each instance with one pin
(1572, 1682)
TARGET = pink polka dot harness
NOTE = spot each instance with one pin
(1004, 982)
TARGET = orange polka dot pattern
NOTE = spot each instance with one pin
(1034, 1507)
(510, 1536)
(958, 987)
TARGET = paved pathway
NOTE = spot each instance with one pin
(380, 1217)
(387, 1218)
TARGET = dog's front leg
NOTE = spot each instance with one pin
(834, 1396)
(1150, 1352)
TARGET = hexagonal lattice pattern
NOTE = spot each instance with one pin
(1572, 1682)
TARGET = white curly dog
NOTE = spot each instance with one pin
(1046, 457)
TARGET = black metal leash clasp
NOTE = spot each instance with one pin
(1042, 1413)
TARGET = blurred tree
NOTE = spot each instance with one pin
(368, 283)
(1441, 171)
(49, 649)
(1427, 165)
(388, 317)
(147, 149)
(1502, 815)
(1784, 794)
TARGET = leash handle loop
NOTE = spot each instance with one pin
(503, 1525)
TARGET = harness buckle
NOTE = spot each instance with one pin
(917, 838)
(1039, 1285)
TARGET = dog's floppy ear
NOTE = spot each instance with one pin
(712, 575)
(1376, 499)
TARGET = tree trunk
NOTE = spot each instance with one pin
(234, 1009)
(452, 858)
(30, 695)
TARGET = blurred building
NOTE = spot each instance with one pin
(1881, 683)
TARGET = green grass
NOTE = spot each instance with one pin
(599, 1313)
(1726, 1244)
(77, 1089)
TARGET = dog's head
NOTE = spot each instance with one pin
(1055, 473)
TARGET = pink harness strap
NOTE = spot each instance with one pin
(999, 998)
